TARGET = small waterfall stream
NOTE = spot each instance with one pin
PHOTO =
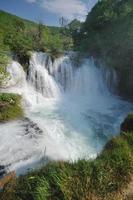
(70, 112)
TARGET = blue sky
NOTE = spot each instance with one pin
(48, 11)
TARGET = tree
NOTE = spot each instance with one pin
(63, 22)
(19, 25)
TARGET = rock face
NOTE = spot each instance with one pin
(127, 125)
(6, 179)
(2, 171)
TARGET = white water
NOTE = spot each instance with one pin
(71, 105)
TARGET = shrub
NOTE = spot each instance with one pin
(4, 60)
(10, 106)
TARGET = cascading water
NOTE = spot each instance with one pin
(70, 112)
(40, 78)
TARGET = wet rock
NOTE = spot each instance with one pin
(37, 129)
(2, 167)
(40, 131)
(127, 125)
(2, 171)
(7, 178)
(31, 129)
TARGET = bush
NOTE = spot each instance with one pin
(10, 107)
(4, 60)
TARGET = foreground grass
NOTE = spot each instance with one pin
(10, 106)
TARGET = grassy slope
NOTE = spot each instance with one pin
(7, 20)
(21, 36)
(20, 42)
(101, 179)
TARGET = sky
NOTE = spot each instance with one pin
(48, 11)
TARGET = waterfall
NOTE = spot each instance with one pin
(61, 76)
(50, 78)
(39, 76)
(70, 111)
(16, 75)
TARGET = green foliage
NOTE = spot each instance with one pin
(4, 60)
(107, 11)
(23, 36)
(74, 25)
(10, 106)
(19, 41)
(55, 43)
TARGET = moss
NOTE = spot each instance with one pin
(10, 107)
(55, 54)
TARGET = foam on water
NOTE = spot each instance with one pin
(71, 110)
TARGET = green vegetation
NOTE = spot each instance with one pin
(4, 59)
(107, 34)
(18, 37)
(22, 36)
(10, 107)
(101, 179)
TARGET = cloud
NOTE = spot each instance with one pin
(91, 4)
(31, 1)
(69, 9)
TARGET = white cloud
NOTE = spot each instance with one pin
(66, 8)
(69, 9)
(31, 1)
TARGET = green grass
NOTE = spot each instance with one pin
(102, 178)
(10, 107)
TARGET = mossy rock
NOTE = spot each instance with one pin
(10, 107)
(127, 125)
